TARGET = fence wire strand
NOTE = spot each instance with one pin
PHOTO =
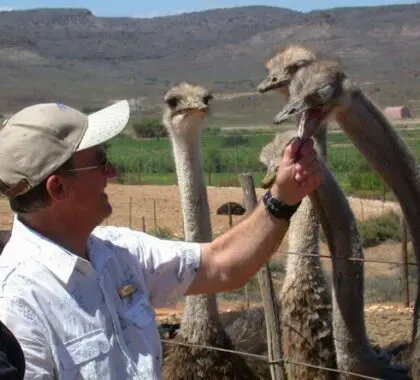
(348, 258)
(265, 358)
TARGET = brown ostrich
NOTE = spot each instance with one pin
(184, 116)
(318, 91)
(307, 333)
(305, 298)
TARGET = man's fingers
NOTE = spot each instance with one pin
(307, 147)
(309, 184)
(297, 149)
(313, 170)
(306, 161)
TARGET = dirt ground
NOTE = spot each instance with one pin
(385, 322)
(141, 201)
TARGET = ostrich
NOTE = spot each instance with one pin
(307, 333)
(305, 292)
(316, 92)
(184, 117)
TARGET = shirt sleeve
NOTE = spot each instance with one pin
(30, 333)
(169, 266)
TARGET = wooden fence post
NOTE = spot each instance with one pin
(271, 306)
(129, 211)
(230, 215)
(154, 214)
(404, 262)
(143, 223)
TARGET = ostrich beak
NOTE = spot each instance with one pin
(309, 118)
(271, 83)
(292, 108)
(268, 180)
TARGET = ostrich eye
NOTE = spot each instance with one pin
(172, 102)
(321, 95)
(297, 65)
(325, 93)
(207, 99)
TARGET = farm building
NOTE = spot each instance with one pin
(397, 112)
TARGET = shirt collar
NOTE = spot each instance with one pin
(49, 254)
(100, 251)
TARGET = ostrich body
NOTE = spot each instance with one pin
(307, 332)
(184, 117)
(318, 91)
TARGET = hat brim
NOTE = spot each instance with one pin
(105, 124)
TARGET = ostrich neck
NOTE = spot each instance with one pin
(378, 141)
(344, 242)
(200, 318)
(354, 353)
(304, 226)
(303, 238)
(195, 207)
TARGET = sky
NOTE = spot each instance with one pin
(146, 8)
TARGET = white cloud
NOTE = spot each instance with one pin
(5, 8)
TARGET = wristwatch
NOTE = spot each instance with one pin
(277, 208)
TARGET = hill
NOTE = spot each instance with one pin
(75, 57)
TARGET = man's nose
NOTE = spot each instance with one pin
(111, 171)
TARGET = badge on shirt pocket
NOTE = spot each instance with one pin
(127, 290)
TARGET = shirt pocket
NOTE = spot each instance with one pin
(80, 355)
(139, 312)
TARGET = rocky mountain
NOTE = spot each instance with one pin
(73, 56)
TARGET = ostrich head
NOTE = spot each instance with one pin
(317, 91)
(187, 106)
(283, 66)
(270, 155)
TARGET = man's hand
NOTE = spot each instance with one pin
(298, 172)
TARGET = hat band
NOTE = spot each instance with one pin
(15, 190)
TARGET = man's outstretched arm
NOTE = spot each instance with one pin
(231, 259)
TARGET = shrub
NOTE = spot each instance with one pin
(375, 231)
(89, 109)
(230, 141)
(163, 233)
(149, 127)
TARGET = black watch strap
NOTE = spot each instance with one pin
(277, 208)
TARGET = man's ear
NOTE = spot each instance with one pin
(56, 187)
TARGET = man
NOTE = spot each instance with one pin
(79, 297)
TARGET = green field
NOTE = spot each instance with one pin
(150, 161)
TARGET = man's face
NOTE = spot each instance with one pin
(87, 200)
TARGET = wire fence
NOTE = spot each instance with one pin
(266, 359)
(161, 215)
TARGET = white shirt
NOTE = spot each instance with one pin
(67, 313)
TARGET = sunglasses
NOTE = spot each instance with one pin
(103, 164)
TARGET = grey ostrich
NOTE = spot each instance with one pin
(317, 91)
(306, 315)
(307, 333)
(184, 117)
